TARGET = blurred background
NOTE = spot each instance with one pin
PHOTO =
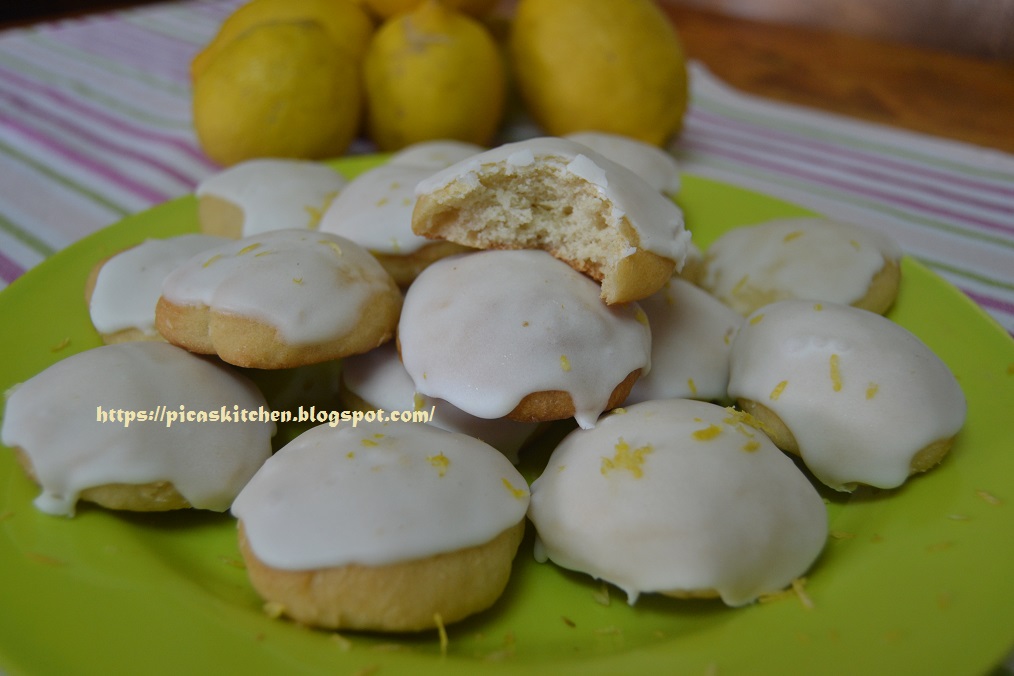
(983, 28)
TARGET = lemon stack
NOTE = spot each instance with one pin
(303, 78)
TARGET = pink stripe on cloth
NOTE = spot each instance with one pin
(37, 114)
(86, 163)
(895, 169)
(9, 270)
(86, 109)
(776, 163)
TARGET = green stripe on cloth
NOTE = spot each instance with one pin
(63, 180)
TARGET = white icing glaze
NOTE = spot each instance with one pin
(678, 495)
(434, 155)
(311, 286)
(650, 162)
(860, 393)
(129, 284)
(810, 258)
(276, 193)
(379, 378)
(691, 336)
(655, 218)
(378, 493)
(483, 330)
(375, 210)
(53, 417)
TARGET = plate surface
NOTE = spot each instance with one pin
(914, 580)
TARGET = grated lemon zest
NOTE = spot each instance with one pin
(836, 372)
(626, 458)
(708, 433)
(440, 461)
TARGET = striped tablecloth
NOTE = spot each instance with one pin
(95, 125)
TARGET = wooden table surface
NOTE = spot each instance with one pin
(940, 93)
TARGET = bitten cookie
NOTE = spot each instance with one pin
(378, 379)
(859, 398)
(122, 290)
(678, 497)
(691, 336)
(280, 299)
(384, 526)
(807, 258)
(266, 194)
(109, 426)
(522, 335)
(375, 211)
(558, 195)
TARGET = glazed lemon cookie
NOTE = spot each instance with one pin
(648, 161)
(691, 336)
(107, 426)
(266, 194)
(558, 195)
(679, 497)
(378, 379)
(122, 290)
(278, 300)
(375, 211)
(859, 398)
(390, 527)
(809, 258)
(519, 334)
(434, 155)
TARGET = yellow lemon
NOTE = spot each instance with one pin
(278, 90)
(385, 9)
(606, 65)
(348, 24)
(430, 74)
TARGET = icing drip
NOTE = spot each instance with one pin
(53, 417)
(484, 330)
(678, 495)
(379, 378)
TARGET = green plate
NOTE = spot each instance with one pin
(914, 580)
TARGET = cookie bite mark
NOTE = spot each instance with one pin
(562, 197)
